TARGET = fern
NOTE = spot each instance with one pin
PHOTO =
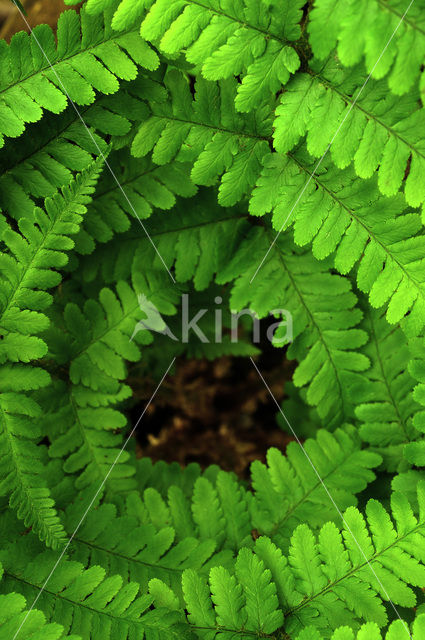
(386, 406)
(379, 130)
(29, 269)
(146, 186)
(340, 225)
(322, 581)
(84, 599)
(13, 613)
(398, 629)
(414, 450)
(207, 136)
(288, 492)
(46, 161)
(225, 40)
(87, 57)
(85, 424)
(288, 274)
(403, 57)
(156, 539)
(327, 363)
(242, 146)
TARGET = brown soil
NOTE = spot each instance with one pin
(38, 12)
(213, 413)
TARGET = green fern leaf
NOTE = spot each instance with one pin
(334, 222)
(29, 270)
(248, 38)
(87, 430)
(373, 136)
(288, 492)
(85, 60)
(84, 599)
(327, 366)
(35, 626)
(325, 581)
(366, 29)
(397, 630)
(386, 406)
(415, 450)
(334, 575)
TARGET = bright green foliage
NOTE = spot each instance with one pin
(398, 630)
(340, 214)
(288, 490)
(414, 451)
(226, 39)
(218, 141)
(325, 335)
(146, 187)
(94, 344)
(39, 74)
(29, 270)
(36, 628)
(155, 538)
(334, 218)
(386, 400)
(322, 581)
(34, 255)
(340, 581)
(145, 544)
(365, 28)
(291, 280)
(14, 612)
(239, 147)
(379, 130)
(43, 164)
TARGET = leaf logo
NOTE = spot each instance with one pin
(153, 320)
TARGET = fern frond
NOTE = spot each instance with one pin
(14, 612)
(47, 156)
(88, 57)
(335, 573)
(385, 402)
(199, 225)
(95, 344)
(380, 132)
(158, 538)
(398, 630)
(43, 160)
(286, 283)
(142, 545)
(364, 29)
(325, 334)
(324, 582)
(287, 491)
(35, 165)
(415, 450)
(126, 12)
(216, 507)
(30, 265)
(244, 602)
(161, 475)
(146, 185)
(22, 462)
(339, 213)
(208, 132)
(228, 40)
(347, 218)
(29, 270)
(82, 598)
